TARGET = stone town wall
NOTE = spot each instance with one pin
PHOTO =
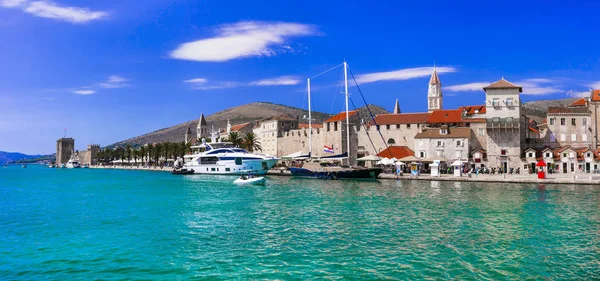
(401, 134)
(297, 140)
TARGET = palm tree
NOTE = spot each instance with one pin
(251, 143)
(136, 154)
(167, 147)
(128, 151)
(235, 139)
(143, 152)
(150, 153)
(158, 148)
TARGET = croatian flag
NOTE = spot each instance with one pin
(328, 149)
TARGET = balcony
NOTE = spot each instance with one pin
(502, 123)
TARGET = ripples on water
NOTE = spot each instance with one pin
(102, 224)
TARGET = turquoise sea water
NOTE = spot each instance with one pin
(60, 224)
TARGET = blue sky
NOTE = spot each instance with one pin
(110, 70)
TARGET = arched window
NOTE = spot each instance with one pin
(391, 141)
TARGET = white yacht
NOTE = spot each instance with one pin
(222, 158)
(73, 163)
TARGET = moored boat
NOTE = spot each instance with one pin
(250, 179)
(183, 172)
(334, 172)
(222, 158)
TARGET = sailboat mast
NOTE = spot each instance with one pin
(309, 121)
(347, 115)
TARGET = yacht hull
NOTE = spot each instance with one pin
(257, 167)
(371, 173)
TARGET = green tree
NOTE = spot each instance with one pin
(136, 155)
(150, 154)
(235, 139)
(158, 149)
(128, 152)
(143, 152)
(251, 143)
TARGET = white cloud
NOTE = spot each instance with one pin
(217, 86)
(202, 83)
(113, 82)
(535, 89)
(282, 80)
(196, 80)
(595, 85)
(574, 94)
(534, 86)
(11, 3)
(47, 9)
(116, 79)
(402, 74)
(539, 80)
(243, 39)
(476, 86)
(84, 92)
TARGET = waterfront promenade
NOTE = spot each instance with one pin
(577, 178)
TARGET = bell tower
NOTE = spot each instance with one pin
(202, 128)
(434, 93)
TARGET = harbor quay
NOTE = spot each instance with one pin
(578, 179)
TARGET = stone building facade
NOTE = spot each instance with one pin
(443, 142)
(65, 147)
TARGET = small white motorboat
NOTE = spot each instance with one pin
(250, 179)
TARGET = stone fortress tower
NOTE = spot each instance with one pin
(434, 94)
(64, 149)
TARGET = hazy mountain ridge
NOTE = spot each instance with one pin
(6, 157)
(251, 112)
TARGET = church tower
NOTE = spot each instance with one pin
(228, 127)
(188, 135)
(397, 107)
(202, 129)
(434, 94)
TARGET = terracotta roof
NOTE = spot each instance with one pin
(596, 95)
(445, 116)
(314, 126)
(238, 127)
(567, 110)
(436, 134)
(470, 109)
(503, 84)
(340, 116)
(434, 80)
(405, 118)
(397, 152)
(579, 102)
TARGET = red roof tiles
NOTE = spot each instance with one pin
(340, 116)
(238, 127)
(473, 109)
(579, 102)
(503, 84)
(445, 116)
(404, 118)
(397, 152)
(596, 95)
(567, 110)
